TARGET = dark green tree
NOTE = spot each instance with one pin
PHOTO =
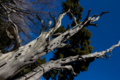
(79, 45)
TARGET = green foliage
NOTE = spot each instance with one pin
(75, 7)
(80, 44)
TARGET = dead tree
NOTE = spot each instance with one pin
(14, 61)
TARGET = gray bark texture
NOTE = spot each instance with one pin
(12, 62)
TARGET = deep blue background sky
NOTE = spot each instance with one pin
(103, 37)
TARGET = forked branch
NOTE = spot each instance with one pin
(57, 64)
(10, 64)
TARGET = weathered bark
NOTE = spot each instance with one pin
(57, 64)
(12, 62)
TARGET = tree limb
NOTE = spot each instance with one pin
(13, 25)
(57, 64)
(24, 55)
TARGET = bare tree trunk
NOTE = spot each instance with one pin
(12, 62)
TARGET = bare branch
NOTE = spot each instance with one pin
(87, 15)
(104, 13)
(63, 45)
(17, 59)
(9, 34)
(42, 22)
(57, 25)
(75, 20)
(57, 64)
(14, 26)
(93, 19)
(50, 22)
(88, 20)
(54, 18)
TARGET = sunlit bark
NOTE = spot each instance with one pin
(12, 62)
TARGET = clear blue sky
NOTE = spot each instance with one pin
(104, 36)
